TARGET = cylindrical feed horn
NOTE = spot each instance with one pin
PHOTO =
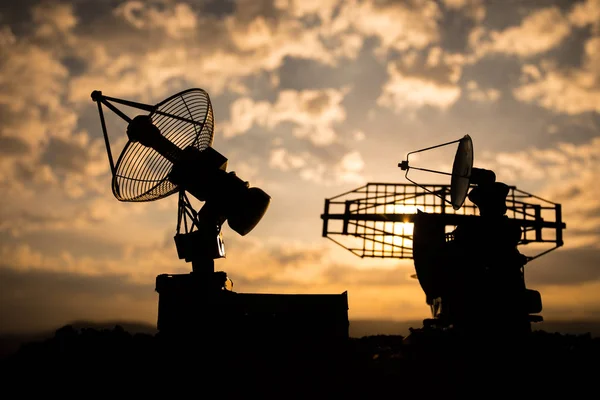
(141, 129)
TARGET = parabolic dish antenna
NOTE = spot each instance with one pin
(185, 119)
(461, 172)
(170, 150)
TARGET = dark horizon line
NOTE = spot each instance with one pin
(145, 327)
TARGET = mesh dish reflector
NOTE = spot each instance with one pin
(185, 119)
(461, 172)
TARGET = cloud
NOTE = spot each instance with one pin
(570, 90)
(423, 78)
(397, 25)
(282, 160)
(403, 91)
(168, 43)
(314, 112)
(351, 163)
(257, 38)
(33, 83)
(13, 146)
(475, 93)
(564, 174)
(254, 38)
(565, 267)
(473, 8)
(66, 155)
(397, 277)
(538, 32)
(138, 262)
(35, 299)
(53, 18)
(176, 21)
(585, 13)
(570, 302)
(343, 26)
(270, 262)
(269, 40)
(56, 183)
(567, 90)
(42, 300)
(31, 77)
(201, 49)
(23, 218)
(60, 168)
(348, 169)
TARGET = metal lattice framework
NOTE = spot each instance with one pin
(185, 119)
(377, 220)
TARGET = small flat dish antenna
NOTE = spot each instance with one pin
(461, 172)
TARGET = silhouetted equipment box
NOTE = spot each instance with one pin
(184, 308)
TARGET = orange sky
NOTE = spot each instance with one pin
(311, 99)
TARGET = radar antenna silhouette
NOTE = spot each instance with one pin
(414, 221)
(170, 151)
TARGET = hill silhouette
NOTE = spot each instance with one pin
(10, 342)
(424, 363)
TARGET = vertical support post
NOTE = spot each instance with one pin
(524, 212)
(346, 217)
(202, 272)
(445, 192)
(538, 220)
(325, 218)
(559, 225)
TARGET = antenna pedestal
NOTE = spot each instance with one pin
(200, 242)
(187, 303)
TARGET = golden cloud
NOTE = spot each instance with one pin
(404, 91)
(586, 13)
(538, 32)
(314, 112)
(176, 20)
(572, 90)
(565, 174)
(348, 169)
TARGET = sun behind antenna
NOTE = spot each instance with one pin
(415, 221)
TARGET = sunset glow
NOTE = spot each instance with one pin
(311, 99)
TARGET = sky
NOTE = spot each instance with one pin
(311, 99)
